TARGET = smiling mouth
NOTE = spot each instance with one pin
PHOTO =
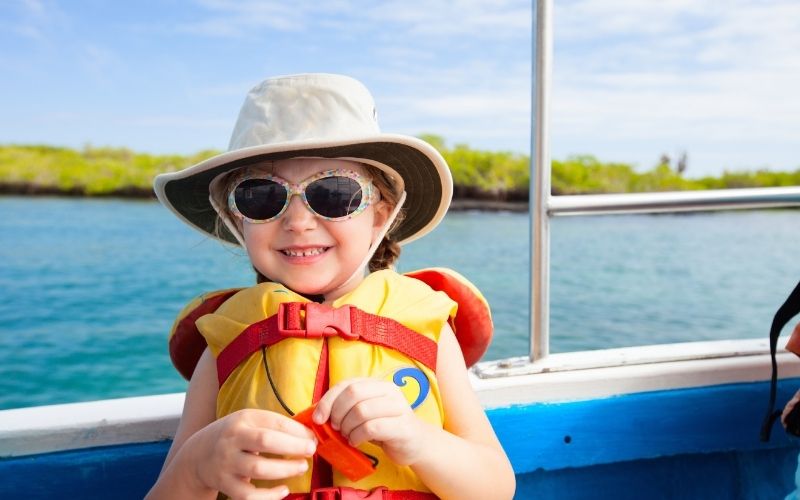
(304, 252)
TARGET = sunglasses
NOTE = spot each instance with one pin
(331, 195)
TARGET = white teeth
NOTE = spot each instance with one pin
(304, 253)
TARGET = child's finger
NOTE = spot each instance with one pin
(257, 467)
(352, 395)
(266, 440)
(278, 422)
(370, 409)
(380, 429)
(323, 410)
(238, 487)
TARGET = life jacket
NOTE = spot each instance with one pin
(276, 350)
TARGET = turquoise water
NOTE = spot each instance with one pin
(90, 287)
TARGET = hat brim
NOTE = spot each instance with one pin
(428, 183)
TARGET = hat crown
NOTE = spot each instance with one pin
(309, 107)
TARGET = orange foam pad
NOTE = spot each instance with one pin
(332, 446)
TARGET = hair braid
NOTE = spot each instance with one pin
(385, 255)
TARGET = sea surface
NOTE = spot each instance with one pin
(90, 287)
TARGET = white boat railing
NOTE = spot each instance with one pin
(543, 206)
(674, 201)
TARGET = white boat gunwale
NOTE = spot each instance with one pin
(46, 429)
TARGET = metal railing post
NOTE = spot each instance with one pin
(540, 181)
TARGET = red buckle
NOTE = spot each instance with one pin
(325, 321)
(285, 311)
(330, 493)
(321, 321)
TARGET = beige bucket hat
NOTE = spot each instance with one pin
(317, 116)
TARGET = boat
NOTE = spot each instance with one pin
(657, 421)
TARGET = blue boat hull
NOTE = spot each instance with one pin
(682, 443)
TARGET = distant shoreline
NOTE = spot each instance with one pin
(16, 189)
(459, 204)
(28, 189)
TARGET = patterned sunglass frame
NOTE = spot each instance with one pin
(299, 189)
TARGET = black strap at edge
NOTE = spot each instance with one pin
(785, 313)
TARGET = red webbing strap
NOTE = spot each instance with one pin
(408, 495)
(389, 333)
(321, 470)
(320, 320)
(261, 334)
(345, 493)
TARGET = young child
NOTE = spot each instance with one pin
(313, 191)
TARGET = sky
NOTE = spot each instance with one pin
(632, 79)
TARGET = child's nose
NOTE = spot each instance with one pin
(297, 216)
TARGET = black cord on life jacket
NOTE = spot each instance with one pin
(785, 313)
(272, 384)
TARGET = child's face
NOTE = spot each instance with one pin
(309, 254)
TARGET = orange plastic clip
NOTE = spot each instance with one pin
(331, 446)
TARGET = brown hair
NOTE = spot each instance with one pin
(388, 250)
(385, 255)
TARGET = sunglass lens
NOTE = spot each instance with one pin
(334, 197)
(259, 199)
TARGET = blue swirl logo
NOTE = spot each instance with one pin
(400, 379)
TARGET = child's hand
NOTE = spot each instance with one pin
(366, 409)
(226, 452)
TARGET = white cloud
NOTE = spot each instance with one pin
(34, 7)
(480, 19)
(590, 19)
(666, 73)
(99, 61)
(175, 122)
(241, 19)
(236, 90)
(436, 66)
(130, 121)
(28, 31)
(34, 20)
(460, 104)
